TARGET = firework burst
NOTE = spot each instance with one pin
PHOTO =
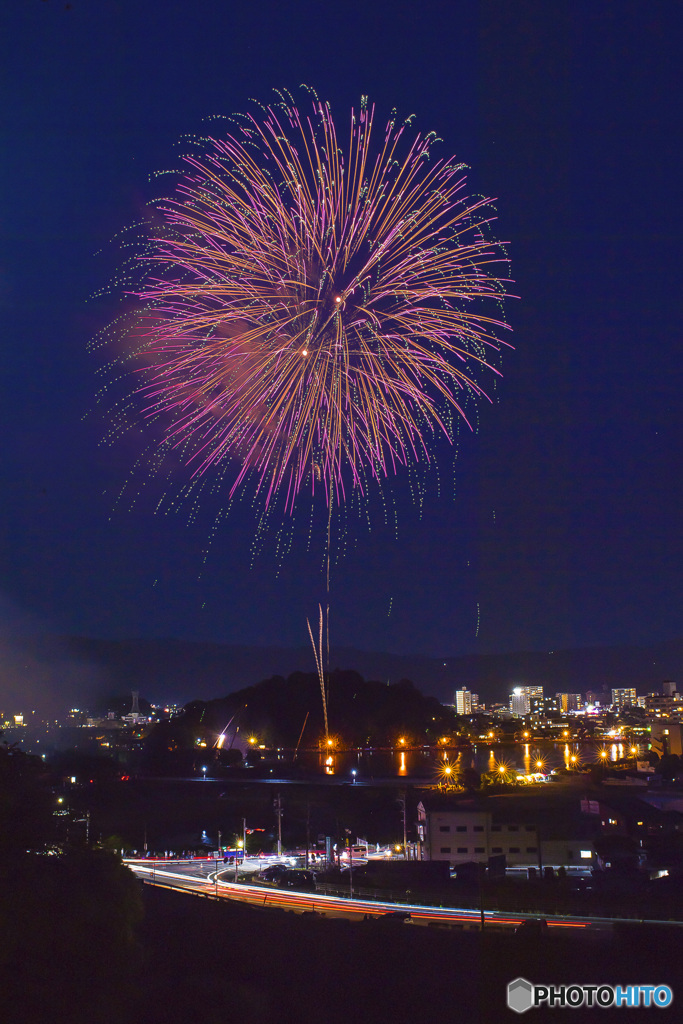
(312, 311)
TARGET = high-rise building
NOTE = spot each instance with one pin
(568, 702)
(623, 697)
(668, 688)
(463, 702)
(525, 699)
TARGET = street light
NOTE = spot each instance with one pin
(204, 771)
(354, 773)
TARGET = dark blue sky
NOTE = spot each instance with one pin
(564, 529)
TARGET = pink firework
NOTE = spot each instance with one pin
(314, 311)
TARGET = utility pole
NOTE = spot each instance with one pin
(308, 833)
(402, 802)
(277, 803)
(244, 848)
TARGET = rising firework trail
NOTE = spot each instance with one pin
(315, 304)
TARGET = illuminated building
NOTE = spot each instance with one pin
(663, 706)
(623, 697)
(466, 703)
(525, 699)
(568, 702)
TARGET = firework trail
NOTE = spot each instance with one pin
(312, 311)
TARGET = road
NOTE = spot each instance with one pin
(202, 876)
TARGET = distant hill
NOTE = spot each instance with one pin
(180, 671)
(283, 711)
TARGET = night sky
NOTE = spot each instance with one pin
(563, 527)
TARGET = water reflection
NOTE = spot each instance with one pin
(426, 762)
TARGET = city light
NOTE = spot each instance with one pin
(445, 774)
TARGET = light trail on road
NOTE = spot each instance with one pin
(339, 906)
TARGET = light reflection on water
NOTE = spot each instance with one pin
(424, 763)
